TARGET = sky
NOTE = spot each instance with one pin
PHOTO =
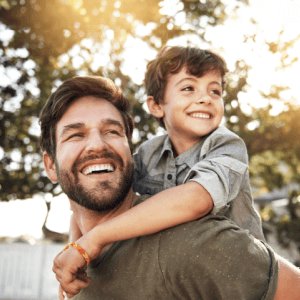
(271, 17)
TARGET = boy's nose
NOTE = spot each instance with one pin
(203, 99)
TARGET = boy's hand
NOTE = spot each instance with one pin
(70, 270)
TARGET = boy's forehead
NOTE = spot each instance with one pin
(184, 73)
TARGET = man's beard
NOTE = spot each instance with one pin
(105, 196)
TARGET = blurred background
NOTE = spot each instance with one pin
(44, 42)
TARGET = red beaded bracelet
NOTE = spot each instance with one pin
(82, 252)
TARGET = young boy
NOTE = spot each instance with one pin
(197, 168)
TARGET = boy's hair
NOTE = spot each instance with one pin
(171, 60)
(72, 89)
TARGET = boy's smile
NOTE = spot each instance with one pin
(192, 107)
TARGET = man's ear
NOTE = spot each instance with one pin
(50, 167)
(156, 110)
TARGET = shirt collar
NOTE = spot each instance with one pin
(188, 157)
(191, 156)
(166, 148)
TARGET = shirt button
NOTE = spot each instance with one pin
(169, 177)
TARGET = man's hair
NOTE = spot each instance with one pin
(75, 88)
(171, 60)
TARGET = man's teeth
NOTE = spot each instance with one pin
(200, 115)
(98, 168)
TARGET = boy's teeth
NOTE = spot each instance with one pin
(200, 115)
(98, 168)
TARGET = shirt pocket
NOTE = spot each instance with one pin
(149, 185)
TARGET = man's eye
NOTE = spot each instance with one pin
(113, 132)
(74, 136)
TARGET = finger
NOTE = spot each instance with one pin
(61, 293)
(65, 276)
(75, 286)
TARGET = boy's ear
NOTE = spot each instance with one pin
(155, 109)
(50, 167)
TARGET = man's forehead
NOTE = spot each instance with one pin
(90, 111)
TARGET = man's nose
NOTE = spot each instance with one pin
(96, 142)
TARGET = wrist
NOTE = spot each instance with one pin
(80, 250)
(93, 242)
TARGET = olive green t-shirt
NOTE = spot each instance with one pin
(208, 259)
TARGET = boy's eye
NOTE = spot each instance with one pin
(188, 88)
(216, 92)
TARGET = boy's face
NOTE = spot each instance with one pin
(192, 107)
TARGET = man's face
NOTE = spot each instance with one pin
(93, 160)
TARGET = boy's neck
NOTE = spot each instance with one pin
(180, 145)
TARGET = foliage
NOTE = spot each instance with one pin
(40, 53)
(45, 42)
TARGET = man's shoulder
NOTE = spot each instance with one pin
(212, 246)
(210, 232)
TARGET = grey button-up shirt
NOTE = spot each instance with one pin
(219, 162)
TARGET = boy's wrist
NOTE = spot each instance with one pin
(92, 242)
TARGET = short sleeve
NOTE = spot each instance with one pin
(222, 169)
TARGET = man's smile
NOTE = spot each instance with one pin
(98, 168)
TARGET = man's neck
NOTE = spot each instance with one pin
(87, 219)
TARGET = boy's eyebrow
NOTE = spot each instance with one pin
(184, 79)
(216, 82)
(194, 79)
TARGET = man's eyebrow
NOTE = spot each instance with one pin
(113, 122)
(71, 127)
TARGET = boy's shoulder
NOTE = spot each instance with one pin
(154, 143)
(223, 138)
(223, 131)
(223, 135)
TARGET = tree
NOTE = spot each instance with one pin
(40, 53)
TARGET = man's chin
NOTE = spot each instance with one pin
(102, 198)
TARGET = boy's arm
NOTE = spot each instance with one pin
(74, 232)
(168, 208)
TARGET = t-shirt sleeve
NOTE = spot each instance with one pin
(214, 259)
(222, 168)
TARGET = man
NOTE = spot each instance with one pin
(85, 134)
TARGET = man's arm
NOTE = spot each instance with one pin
(288, 286)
